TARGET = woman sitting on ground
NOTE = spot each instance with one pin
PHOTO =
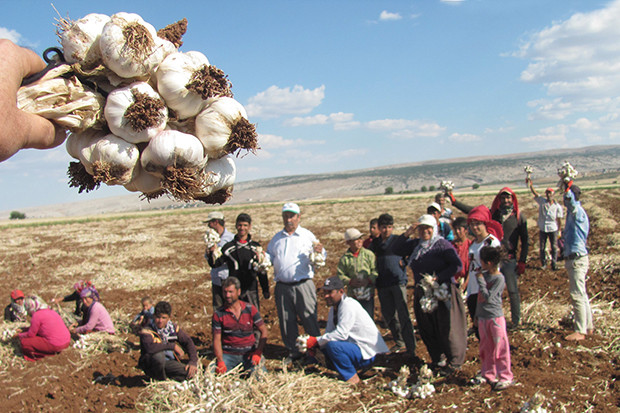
(96, 317)
(15, 311)
(47, 334)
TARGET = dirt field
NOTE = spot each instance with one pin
(162, 256)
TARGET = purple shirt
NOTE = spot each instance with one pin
(48, 324)
(98, 320)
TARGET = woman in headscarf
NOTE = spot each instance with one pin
(47, 334)
(96, 317)
(442, 326)
(75, 295)
(15, 310)
(487, 232)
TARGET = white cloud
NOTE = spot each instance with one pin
(10, 34)
(464, 137)
(578, 62)
(556, 133)
(405, 128)
(277, 142)
(389, 16)
(452, 2)
(275, 102)
(340, 120)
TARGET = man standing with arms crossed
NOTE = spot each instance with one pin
(295, 292)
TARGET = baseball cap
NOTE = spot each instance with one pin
(333, 283)
(428, 220)
(213, 215)
(434, 205)
(15, 294)
(550, 190)
(352, 234)
(291, 207)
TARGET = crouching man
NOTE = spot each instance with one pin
(351, 340)
(163, 344)
(234, 326)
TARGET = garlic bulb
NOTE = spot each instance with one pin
(178, 158)
(142, 181)
(80, 39)
(113, 160)
(129, 46)
(136, 112)
(76, 142)
(302, 343)
(223, 127)
(219, 179)
(317, 259)
(185, 81)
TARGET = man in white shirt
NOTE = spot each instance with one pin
(215, 221)
(550, 216)
(351, 340)
(295, 292)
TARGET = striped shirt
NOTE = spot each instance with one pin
(237, 333)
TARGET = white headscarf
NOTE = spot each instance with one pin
(425, 245)
(33, 303)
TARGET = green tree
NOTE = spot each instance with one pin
(431, 188)
(424, 188)
(475, 186)
(389, 190)
(17, 215)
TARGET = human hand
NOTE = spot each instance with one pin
(520, 268)
(19, 129)
(179, 350)
(191, 370)
(411, 230)
(255, 358)
(221, 367)
(318, 247)
(312, 342)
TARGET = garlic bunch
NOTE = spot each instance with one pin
(80, 39)
(317, 259)
(528, 172)
(433, 293)
(130, 46)
(223, 127)
(446, 186)
(263, 262)
(422, 391)
(187, 80)
(534, 405)
(302, 343)
(566, 172)
(399, 385)
(136, 113)
(212, 238)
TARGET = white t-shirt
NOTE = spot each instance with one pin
(474, 262)
(548, 214)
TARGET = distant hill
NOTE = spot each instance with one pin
(464, 172)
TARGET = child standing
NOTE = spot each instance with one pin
(494, 347)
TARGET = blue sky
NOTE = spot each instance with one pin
(340, 85)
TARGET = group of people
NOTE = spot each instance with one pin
(479, 254)
(48, 334)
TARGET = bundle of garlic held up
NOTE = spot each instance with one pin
(141, 113)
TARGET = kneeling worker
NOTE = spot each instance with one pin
(163, 344)
(351, 340)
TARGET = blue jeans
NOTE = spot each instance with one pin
(346, 358)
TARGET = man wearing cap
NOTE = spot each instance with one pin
(505, 210)
(295, 294)
(576, 231)
(443, 227)
(215, 221)
(351, 340)
(15, 311)
(357, 270)
(391, 286)
(549, 223)
(242, 256)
